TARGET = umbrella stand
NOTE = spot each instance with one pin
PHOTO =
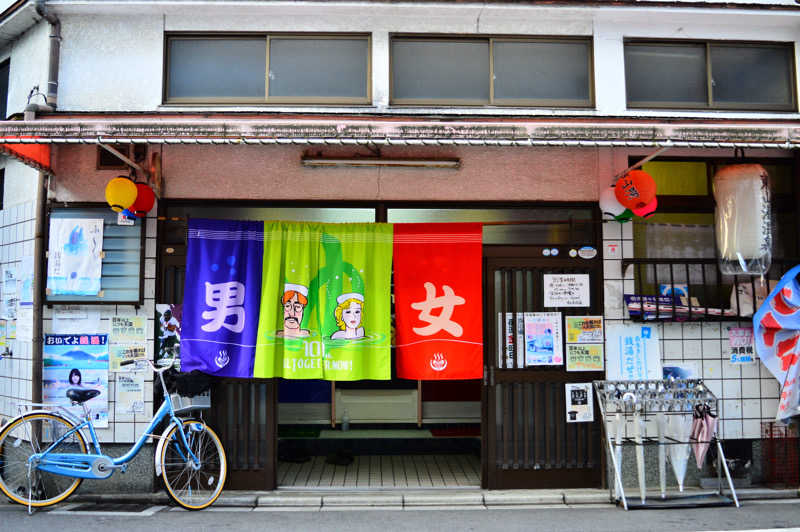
(670, 403)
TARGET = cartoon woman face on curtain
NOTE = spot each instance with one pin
(348, 315)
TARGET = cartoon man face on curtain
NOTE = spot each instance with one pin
(294, 300)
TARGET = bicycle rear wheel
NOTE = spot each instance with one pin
(31, 434)
(192, 487)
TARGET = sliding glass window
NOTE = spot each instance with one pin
(294, 69)
(494, 71)
(710, 75)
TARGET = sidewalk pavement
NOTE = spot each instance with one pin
(444, 499)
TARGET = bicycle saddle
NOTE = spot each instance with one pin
(81, 395)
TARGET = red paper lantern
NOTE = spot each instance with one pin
(648, 210)
(635, 189)
(145, 198)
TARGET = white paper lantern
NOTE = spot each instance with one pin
(609, 204)
(743, 228)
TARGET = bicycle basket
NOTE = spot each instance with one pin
(185, 404)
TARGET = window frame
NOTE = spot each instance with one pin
(492, 101)
(267, 100)
(709, 103)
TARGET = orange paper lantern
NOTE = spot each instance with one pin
(635, 189)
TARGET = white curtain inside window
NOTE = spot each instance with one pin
(673, 241)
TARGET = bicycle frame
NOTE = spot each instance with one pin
(98, 465)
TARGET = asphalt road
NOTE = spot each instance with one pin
(754, 515)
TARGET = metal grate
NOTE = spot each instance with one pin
(711, 296)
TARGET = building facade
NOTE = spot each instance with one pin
(375, 111)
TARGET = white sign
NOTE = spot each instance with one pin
(130, 392)
(741, 342)
(633, 352)
(75, 319)
(580, 403)
(566, 290)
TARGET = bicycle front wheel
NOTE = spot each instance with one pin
(191, 486)
(32, 434)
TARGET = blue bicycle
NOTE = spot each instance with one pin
(44, 455)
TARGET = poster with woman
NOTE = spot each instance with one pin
(77, 361)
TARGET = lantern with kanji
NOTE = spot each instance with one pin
(635, 190)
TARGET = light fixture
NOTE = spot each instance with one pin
(339, 162)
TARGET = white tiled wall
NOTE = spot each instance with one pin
(748, 393)
(124, 427)
(16, 241)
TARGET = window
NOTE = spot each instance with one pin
(108, 161)
(525, 72)
(332, 69)
(710, 75)
(5, 67)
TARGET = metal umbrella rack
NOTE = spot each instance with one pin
(673, 406)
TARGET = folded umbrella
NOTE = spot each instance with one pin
(662, 455)
(679, 427)
(704, 427)
(619, 426)
(637, 437)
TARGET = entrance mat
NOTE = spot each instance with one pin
(371, 434)
(298, 432)
(457, 432)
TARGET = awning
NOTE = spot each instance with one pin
(392, 131)
(34, 155)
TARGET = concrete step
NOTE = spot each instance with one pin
(312, 500)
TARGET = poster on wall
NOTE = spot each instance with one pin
(566, 290)
(25, 282)
(25, 324)
(633, 352)
(685, 370)
(75, 254)
(543, 339)
(584, 329)
(741, 345)
(74, 319)
(118, 353)
(580, 403)
(76, 361)
(129, 393)
(11, 329)
(10, 298)
(585, 357)
(168, 334)
(127, 329)
(3, 328)
(511, 340)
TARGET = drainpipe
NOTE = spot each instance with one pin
(38, 279)
(52, 72)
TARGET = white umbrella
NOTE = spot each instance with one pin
(662, 455)
(619, 426)
(637, 437)
(679, 426)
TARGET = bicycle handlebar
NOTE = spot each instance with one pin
(150, 363)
